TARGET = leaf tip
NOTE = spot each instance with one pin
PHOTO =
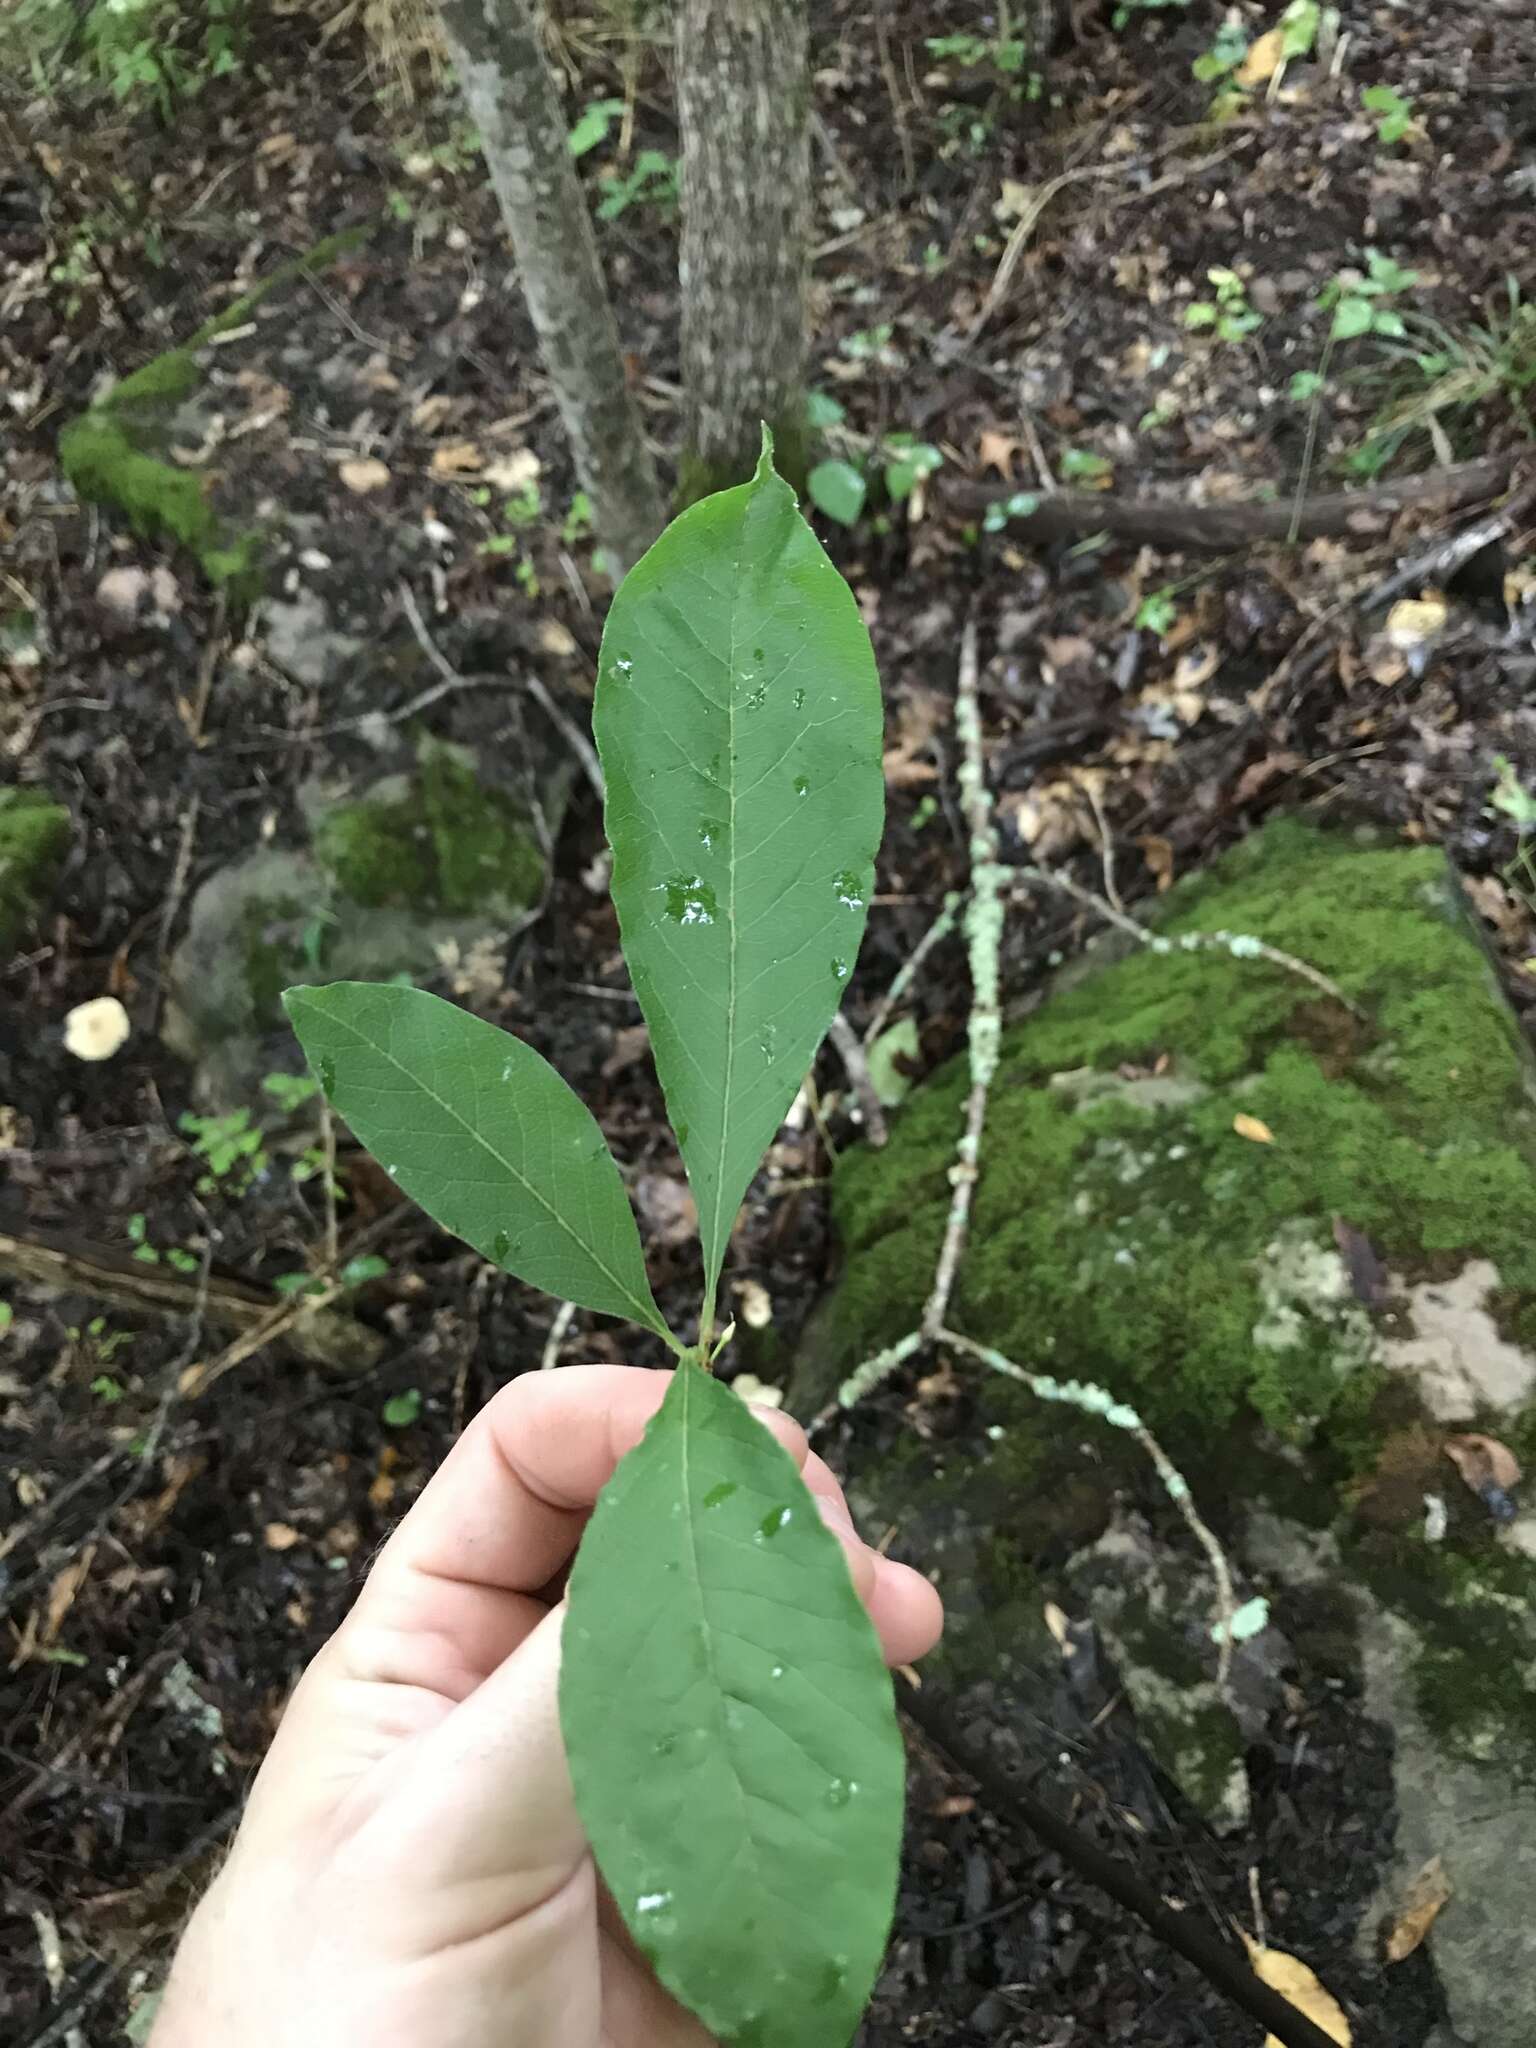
(765, 467)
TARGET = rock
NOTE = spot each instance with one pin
(34, 833)
(429, 871)
(302, 642)
(1303, 1321)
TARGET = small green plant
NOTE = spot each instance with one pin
(153, 51)
(1229, 313)
(597, 117)
(1082, 466)
(401, 1410)
(1158, 610)
(98, 1341)
(522, 510)
(1355, 299)
(1510, 797)
(175, 1256)
(231, 1147)
(840, 487)
(650, 181)
(577, 523)
(714, 1644)
(1020, 505)
(1393, 113)
(1002, 61)
(1438, 379)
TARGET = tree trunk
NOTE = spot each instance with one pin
(512, 98)
(743, 93)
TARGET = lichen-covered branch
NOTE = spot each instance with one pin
(512, 99)
(983, 924)
(743, 87)
(1240, 945)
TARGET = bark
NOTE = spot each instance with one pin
(512, 98)
(743, 99)
(1167, 523)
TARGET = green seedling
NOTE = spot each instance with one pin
(231, 1146)
(726, 1712)
(1229, 313)
(839, 487)
(1393, 114)
(651, 181)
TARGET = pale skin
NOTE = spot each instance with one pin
(410, 1871)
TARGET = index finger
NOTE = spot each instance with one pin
(506, 1508)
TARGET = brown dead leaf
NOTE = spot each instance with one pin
(62, 1591)
(280, 1536)
(514, 472)
(1253, 1128)
(364, 474)
(904, 771)
(631, 1043)
(997, 450)
(432, 411)
(457, 458)
(1293, 1980)
(557, 639)
(1258, 775)
(1421, 1904)
(952, 1805)
(1158, 855)
(1500, 906)
(668, 1206)
(382, 1489)
(1265, 56)
(1483, 1461)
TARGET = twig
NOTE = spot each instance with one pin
(1220, 1965)
(1119, 1415)
(1240, 945)
(565, 1315)
(940, 929)
(328, 1185)
(983, 936)
(893, 90)
(1106, 847)
(1025, 226)
(208, 662)
(574, 738)
(31, 1525)
(173, 897)
(851, 1052)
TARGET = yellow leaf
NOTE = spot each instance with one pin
(1293, 1980)
(1422, 1901)
(1251, 1127)
(363, 474)
(1264, 58)
(1413, 620)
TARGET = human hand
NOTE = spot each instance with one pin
(410, 1871)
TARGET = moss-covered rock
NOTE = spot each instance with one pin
(431, 867)
(1124, 1232)
(1266, 1222)
(437, 840)
(34, 833)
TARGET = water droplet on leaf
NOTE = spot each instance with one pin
(775, 1520)
(799, 700)
(838, 1792)
(802, 787)
(839, 970)
(690, 899)
(710, 830)
(757, 653)
(717, 1494)
(501, 1244)
(328, 1074)
(850, 889)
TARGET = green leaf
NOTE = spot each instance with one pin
(1305, 384)
(837, 489)
(483, 1133)
(738, 716)
(822, 410)
(592, 125)
(401, 1410)
(729, 1722)
(892, 1082)
(1351, 316)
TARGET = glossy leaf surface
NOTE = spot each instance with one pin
(731, 1731)
(480, 1130)
(738, 717)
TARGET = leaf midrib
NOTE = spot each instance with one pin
(648, 1318)
(733, 941)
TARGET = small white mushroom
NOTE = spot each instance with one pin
(96, 1030)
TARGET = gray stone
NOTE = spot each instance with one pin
(302, 642)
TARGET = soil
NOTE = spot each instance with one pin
(171, 1564)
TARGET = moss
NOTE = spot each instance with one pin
(442, 841)
(34, 832)
(105, 466)
(1145, 1247)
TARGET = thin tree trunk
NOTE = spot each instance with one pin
(743, 94)
(512, 98)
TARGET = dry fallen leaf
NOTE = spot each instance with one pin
(557, 639)
(1415, 619)
(364, 473)
(457, 458)
(1253, 1128)
(513, 472)
(1293, 1980)
(279, 1536)
(1158, 855)
(61, 1592)
(997, 451)
(1483, 1461)
(1421, 1904)
(1264, 58)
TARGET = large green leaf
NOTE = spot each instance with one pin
(484, 1134)
(731, 1730)
(738, 717)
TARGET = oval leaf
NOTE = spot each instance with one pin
(731, 1731)
(738, 717)
(483, 1133)
(837, 489)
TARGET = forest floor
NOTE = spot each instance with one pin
(1006, 278)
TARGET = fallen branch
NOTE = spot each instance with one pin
(1169, 524)
(851, 1052)
(323, 1339)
